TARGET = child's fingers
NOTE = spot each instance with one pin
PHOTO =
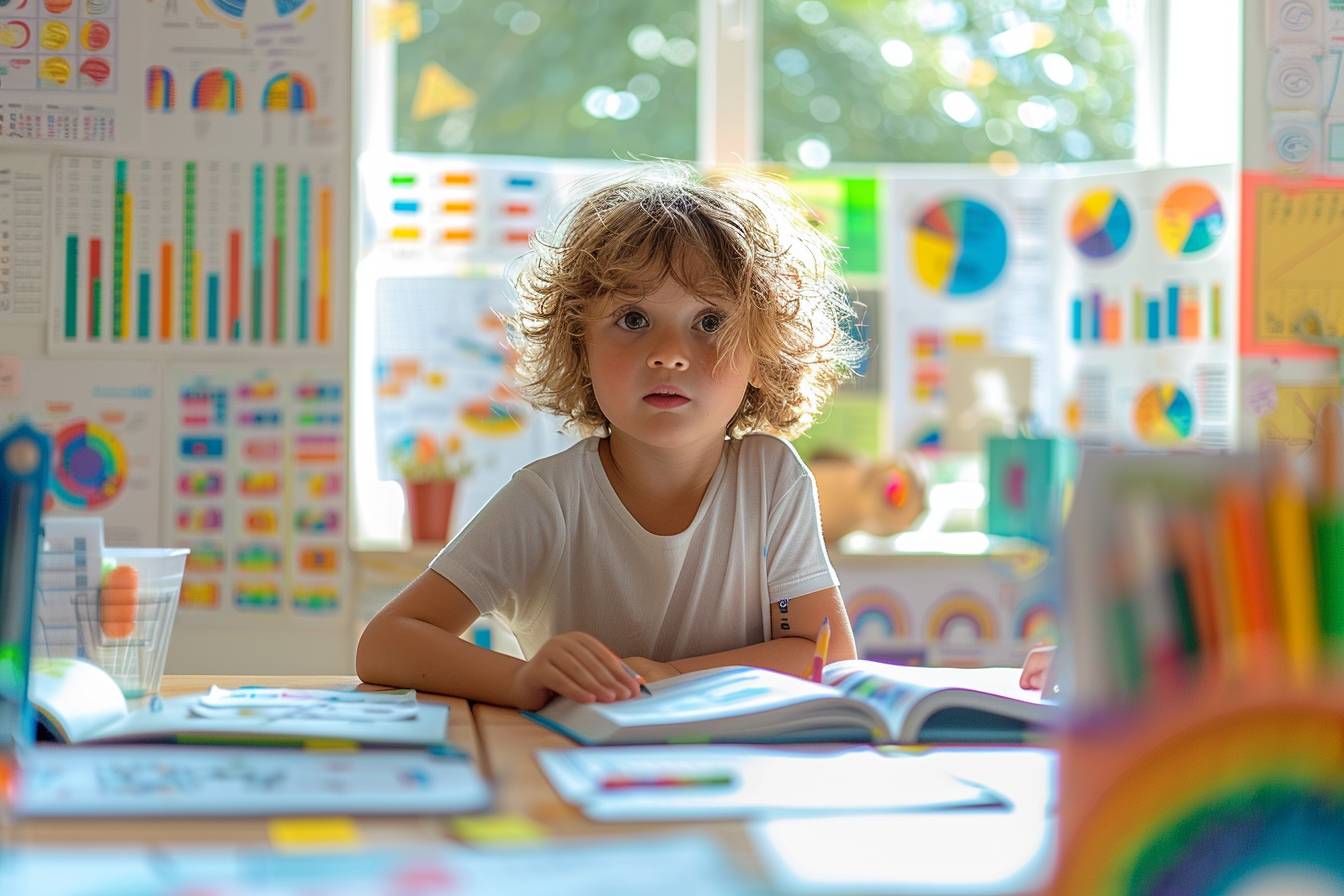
(622, 677)
(556, 679)
(583, 668)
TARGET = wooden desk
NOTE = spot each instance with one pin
(252, 830)
(510, 742)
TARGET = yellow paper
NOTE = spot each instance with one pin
(1293, 420)
(313, 833)
(438, 92)
(497, 829)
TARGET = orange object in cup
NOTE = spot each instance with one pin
(117, 601)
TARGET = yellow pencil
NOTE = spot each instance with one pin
(1294, 567)
(823, 645)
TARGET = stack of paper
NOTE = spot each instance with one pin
(68, 570)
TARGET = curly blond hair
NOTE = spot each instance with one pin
(740, 239)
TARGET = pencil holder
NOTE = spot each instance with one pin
(125, 625)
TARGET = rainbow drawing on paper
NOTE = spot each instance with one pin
(88, 465)
(878, 614)
(1252, 795)
(962, 617)
(1036, 621)
(288, 92)
(217, 90)
(160, 89)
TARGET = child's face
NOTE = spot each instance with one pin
(652, 362)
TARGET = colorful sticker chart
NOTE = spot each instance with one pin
(1292, 263)
(428, 207)
(257, 489)
(105, 431)
(174, 256)
(59, 45)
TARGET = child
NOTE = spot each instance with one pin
(678, 318)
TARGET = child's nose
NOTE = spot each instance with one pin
(669, 352)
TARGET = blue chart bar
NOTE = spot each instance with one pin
(212, 308)
(1096, 317)
(1154, 320)
(1077, 327)
(142, 308)
(1173, 310)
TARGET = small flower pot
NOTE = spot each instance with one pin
(429, 508)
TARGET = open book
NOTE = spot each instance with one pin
(77, 702)
(857, 701)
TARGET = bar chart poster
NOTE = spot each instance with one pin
(1146, 297)
(179, 257)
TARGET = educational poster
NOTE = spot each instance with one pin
(443, 376)
(270, 75)
(1294, 78)
(23, 237)
(1146, 291)
(970, 267)
(62, 66)
(159, 256)
(256, 473)
(1292, 266)
(104, 423)
(846, 210)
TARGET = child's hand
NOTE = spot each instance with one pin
(651, 670)
(574, 665)
(1036, 669)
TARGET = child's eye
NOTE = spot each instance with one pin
(633, 320)
(711, 323)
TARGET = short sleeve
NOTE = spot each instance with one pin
(504, 559)
(796, 561)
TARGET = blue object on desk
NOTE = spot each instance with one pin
(1025, 486)
(25, 461)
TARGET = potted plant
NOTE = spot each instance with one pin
(429, 468)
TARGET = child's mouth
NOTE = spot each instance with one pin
(665, 400)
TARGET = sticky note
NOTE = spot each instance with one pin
(313, 833)
(497, 829)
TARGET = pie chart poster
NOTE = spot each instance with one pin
(104, 421)
(971, 270)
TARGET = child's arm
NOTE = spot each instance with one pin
(794, 627)
(415, 641)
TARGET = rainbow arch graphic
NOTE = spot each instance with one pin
(288, 92)
(1246, 793)
(217, 90)
(1037, 620)
(878, 614)
(160, 89)
(962, 611)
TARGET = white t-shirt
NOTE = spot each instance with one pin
(555, 550)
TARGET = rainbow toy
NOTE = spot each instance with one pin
(217, 90)
(160, 91)
(288, 92)
(1206, 796)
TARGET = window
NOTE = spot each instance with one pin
(556, 78)
(946, 81)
